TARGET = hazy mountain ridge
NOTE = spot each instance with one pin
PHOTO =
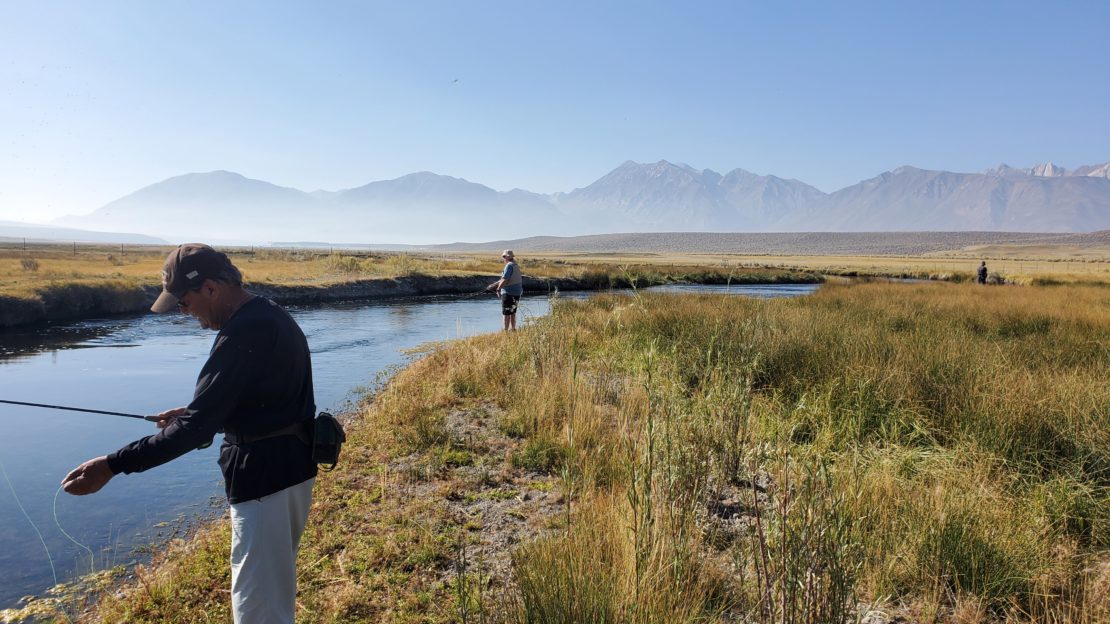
(199, 206)
(779, 243)
(228, 206)
(1050, 170)
(426, 207)
(14, 231)
(667, 197)
(661, 195)
(1008, 200)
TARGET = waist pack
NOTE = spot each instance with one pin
(324, 434)
(327, 438)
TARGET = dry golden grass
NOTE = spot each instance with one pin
(953, 439)
(23, 273)
(1015, 264)
(935, 446)
(938, 451)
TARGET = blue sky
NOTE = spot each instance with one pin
(98, 99)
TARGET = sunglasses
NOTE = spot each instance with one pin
(181, 303)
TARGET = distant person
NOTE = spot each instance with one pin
(510, 287)
(256, 387)
(982, 272)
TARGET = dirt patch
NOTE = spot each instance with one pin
(497, 505)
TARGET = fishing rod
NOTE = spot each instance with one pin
(81, 409)
(476, 293)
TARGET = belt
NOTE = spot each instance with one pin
(298, 429)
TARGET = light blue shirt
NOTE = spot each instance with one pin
(514, 284)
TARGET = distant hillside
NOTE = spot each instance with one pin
(666, 197)
(661, 195)
(802, 243)
(917, 199)
(428, 208)
(16, 231)
(202, 206)
(419, 207)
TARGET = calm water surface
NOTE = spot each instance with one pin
(149, 363)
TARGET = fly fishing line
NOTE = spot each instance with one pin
(92, 562)
(30, 521)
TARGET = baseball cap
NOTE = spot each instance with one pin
(186, 268)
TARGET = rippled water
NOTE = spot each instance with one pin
(149, 363)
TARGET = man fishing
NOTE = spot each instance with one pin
(510, 287)
(256, 387)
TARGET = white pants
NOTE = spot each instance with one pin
(265, 535)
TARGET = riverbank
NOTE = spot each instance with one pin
(67, 301)
(934, 452)
(51, 283)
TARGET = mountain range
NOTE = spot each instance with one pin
(795, 243)
(15, 231)
(426, 207)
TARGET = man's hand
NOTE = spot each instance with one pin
(166, 418)
(89, 477)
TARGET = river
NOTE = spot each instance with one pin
(148, 363)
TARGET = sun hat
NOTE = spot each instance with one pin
(186, 268)
(508, 253)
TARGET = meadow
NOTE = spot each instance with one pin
(932, 451)
(1016, 264)
(52, 271)
(59, 282)
(27, 273)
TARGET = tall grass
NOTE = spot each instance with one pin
(941, 447)
(935, 450)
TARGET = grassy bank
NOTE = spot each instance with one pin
(27, 273)
(1038, 267)
(52, 283)
(936, 451)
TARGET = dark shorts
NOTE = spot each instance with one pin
(508, 304)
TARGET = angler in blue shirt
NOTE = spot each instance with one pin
(510, 287)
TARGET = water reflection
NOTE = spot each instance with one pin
(21, 342)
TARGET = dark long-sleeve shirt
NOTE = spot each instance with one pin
(258, 379)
